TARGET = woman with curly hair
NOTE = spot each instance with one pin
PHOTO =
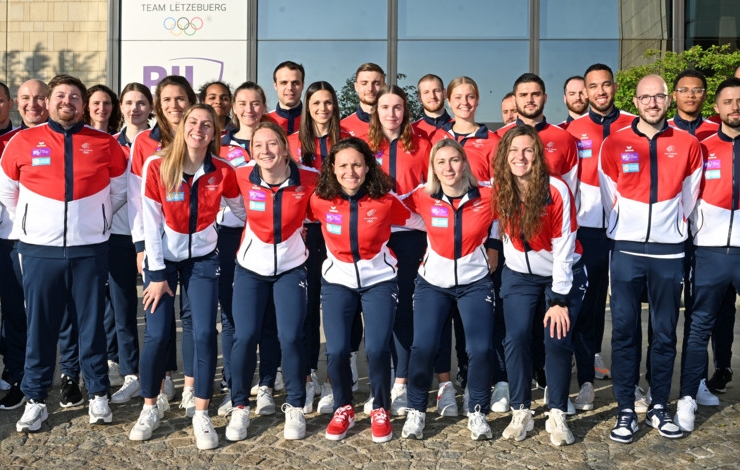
(356, 212)
(537, 224)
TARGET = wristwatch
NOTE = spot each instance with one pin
(559, 302)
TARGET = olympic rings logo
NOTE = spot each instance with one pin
(183, 25)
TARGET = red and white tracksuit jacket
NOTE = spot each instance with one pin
(649, 186)
(288, 119)
(62, 188)
(480, 148)
(6, 223)
(699, 128)
(145, 144)
(590, 131)
(716, 217)
(322, 146)
(237, 154)
(272, 241)
(457, 235)
(554, 250)
(561, 151)
(180, 224)
(407, 169)
(357, 124)
(356, 230)
(427, 125)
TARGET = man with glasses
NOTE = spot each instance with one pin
(649, 175)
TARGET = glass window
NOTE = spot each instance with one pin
(494, 65)
(562, 59)
(322, 19)
(579, 19)
(332, 61)
(712, 22)
(469, 19)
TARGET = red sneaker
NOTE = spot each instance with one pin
(380, 423)
(344, 418)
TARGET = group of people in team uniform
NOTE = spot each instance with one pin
(370, 226)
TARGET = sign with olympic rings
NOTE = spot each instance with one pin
(183, 25)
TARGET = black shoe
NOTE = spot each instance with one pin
(14, 399)
(71, 395)
(538, 378)
(720, 379)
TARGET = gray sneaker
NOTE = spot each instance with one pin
(34, 414)
(131, 388)
(413, 428)
(265, 402)
(99, 410)
(585, 398)
(500, 398)
(226, 407)
(477, 425)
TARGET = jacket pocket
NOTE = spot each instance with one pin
(105, 220)
(25, 215)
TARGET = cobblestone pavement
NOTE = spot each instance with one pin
(68, 441)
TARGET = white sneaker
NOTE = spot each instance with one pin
(601, 372)
(163, 404)
(641, 402)
(33, 415)
(367, 407)
(571, 408)
(255, 388)
(265, 402)
(312, 389)
(205, 436)
(114, 374)
(704, 397)
(477, 425)
(398, 400)
(466, 402)
(169, 387)
(99, 411)
(236, 430)
(556, 425)
(446, 403)
(685, 410)
(326, 402)
(521, 424)
(279, 382)
(353, 368)
(148, 421)
(295, 422)
(131, 388)
(649, 397)
(226, 407)
(585, 398)
(188, 400)
(414, 426)
(500, 398)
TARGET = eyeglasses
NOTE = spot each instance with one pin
(645, 99)
(690, 91)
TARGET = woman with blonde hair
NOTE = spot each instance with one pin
(537, 224)
(183, 187)
(455, 273)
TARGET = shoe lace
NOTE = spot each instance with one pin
(624, 419)
(293, 413)
(477, 419)
(340, 415)
(32, 411)
(520, 416)
(99, 403)
(557, 419)
(264, 393)
(203, 422)
(379, 416)
(147, 415)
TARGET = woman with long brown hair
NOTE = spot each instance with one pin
(537, 224)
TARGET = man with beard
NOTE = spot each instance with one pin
(288, 78)
(717, 246)
(431, 92)
(61, 183)
(590, 131)
(508, 108)
(574, 97)
(649, 176)
(369, 79)
(561, 151)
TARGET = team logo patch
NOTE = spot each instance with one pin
(438, 211)
(334, 218)
(631, 167)
(712, 164)
(333, 228)
(585, 147)
(40, 161)
(257, 206)
(175, 196)
(440, 222)
(712, 174)
(670, 151)
(630, 157)
(256, 195)
(86, 148)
